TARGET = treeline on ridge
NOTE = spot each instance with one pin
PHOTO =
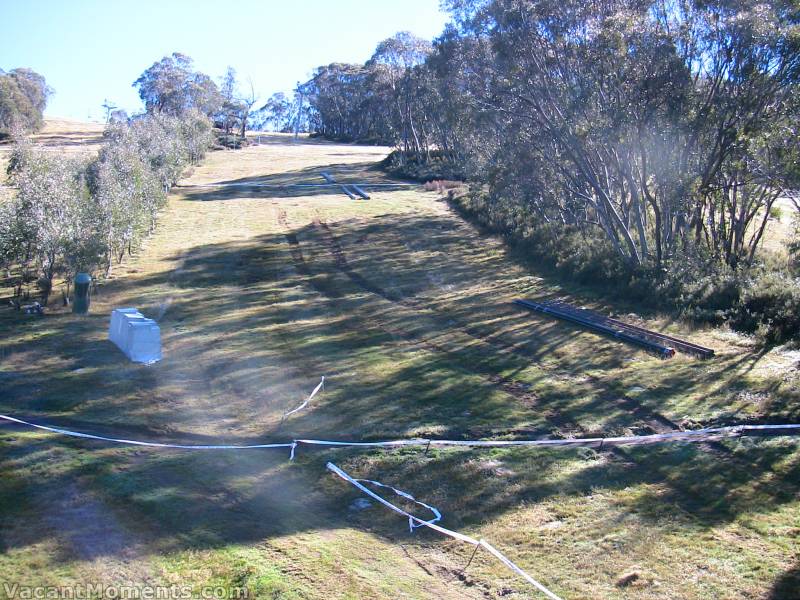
(74, 213)
(643, 145)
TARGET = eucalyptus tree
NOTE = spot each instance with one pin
(277, 113)
(341, 102)
(391, 65)
(231, 107)
(195, 131)
(122, 187)
(638, 111)
(46, 223)
(69, 215)
(23, 98)
(159, 145)
(172, 86)
(378, 101)
(247, 100)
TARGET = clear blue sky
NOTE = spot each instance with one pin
(89, 50)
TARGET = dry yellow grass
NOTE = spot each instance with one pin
(780, 229)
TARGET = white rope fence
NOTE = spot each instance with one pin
(101, 438)
(692, 436)
(448, 532)
(320, 386)
(411, 521)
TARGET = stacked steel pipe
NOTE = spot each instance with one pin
(352, 190)
(653, 341)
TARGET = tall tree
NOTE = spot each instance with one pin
(638, 110)
(172, 86)
(23, 98)
(236, 105)
(277, 113)
(392, 64)
(231, 108)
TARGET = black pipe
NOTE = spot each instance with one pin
(677, 343)
(662, 351)
(359, 191)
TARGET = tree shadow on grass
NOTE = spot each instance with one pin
(169, 500)
(300, 183)
(176, 500)
(248, 332)
(401, 304)
(788, 586)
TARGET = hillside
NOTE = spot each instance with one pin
(405, 309)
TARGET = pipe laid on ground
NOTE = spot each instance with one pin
(663, 351)
(359, 191)
(677, 343)
(350, 194)
(329, 178)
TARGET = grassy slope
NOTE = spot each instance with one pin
(404, 308)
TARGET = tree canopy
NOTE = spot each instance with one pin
(73, 214)
(639, 140)
(172, 86)
(23, 97)
(664, 126)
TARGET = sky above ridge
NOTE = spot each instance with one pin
(92, 50)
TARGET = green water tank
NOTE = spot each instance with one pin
(80, 304)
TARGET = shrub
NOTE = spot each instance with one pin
(794, 246)
(442, 185)
(770, 306)
(231, 140)
(69, 216)
(423, 167)
(44, 227)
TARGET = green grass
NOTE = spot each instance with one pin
(406, 311)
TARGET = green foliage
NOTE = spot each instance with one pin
(646, 141)
(70, 216)
(381, 101)
(23, 97)
(770, 306)
(423, 166)
(761, 299)
(195, 131)
(172, 86)
(794, 245)
(230, 140)
(568, 252)
(234, 110)
(43, 228)
(639, 147)
(280, 114)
